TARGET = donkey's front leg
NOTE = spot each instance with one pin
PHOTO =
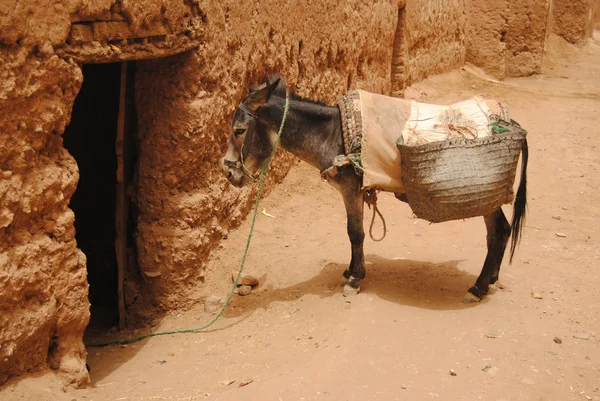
(353, 200)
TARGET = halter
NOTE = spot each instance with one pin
(240, 164)
(247, 110)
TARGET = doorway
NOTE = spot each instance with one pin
(100, 138)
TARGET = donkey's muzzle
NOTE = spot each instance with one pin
(231, 164)
(234, 172)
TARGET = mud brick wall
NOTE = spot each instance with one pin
(507, 37)
(573, 19)
(526, 37)
(435, 37)
(487, 29)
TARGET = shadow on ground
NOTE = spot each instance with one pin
(419, 284)
(427, 285)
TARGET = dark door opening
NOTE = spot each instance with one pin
(93, 139)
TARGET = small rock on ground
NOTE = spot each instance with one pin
(246, 279)
(211, 303)
(244, 290)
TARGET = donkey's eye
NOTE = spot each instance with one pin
(239, 131)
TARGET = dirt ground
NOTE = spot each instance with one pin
(296, 338)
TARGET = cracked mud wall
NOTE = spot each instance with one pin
(435, 37)
(487, 28)
(43, 285)
(526, 37)
(506, 38)
(574, 19)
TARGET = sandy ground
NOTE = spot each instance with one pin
(296, 338)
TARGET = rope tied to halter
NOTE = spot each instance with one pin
(370, 198)
(263, 174)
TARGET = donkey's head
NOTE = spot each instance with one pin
(252, 136)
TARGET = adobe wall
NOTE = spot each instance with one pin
(44, 308)
(573, 19)
(487, 29)
(526, 37)
(435, 37)
(506, 38)
(184, 102)
(43, 284)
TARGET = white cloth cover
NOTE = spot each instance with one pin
(385, 119)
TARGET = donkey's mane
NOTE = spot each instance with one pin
(280, 92)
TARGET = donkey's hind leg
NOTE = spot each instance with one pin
(498, 232)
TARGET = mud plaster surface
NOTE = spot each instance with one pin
(435, 37)
(526, 37)
(486, 35)
(43, 302)
(573, 19)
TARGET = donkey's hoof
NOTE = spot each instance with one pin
(472, 296)
(350, 291)
(499, 286)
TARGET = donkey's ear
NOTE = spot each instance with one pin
(257, 97)
(273, 82)
(260, 95)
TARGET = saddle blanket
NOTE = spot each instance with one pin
(373, 123)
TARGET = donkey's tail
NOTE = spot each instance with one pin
(520, 205)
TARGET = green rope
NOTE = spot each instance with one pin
(263, 174)
(498, 129)
(356, 162)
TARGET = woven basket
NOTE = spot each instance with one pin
(459, 179)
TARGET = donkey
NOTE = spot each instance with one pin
(313, 133)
